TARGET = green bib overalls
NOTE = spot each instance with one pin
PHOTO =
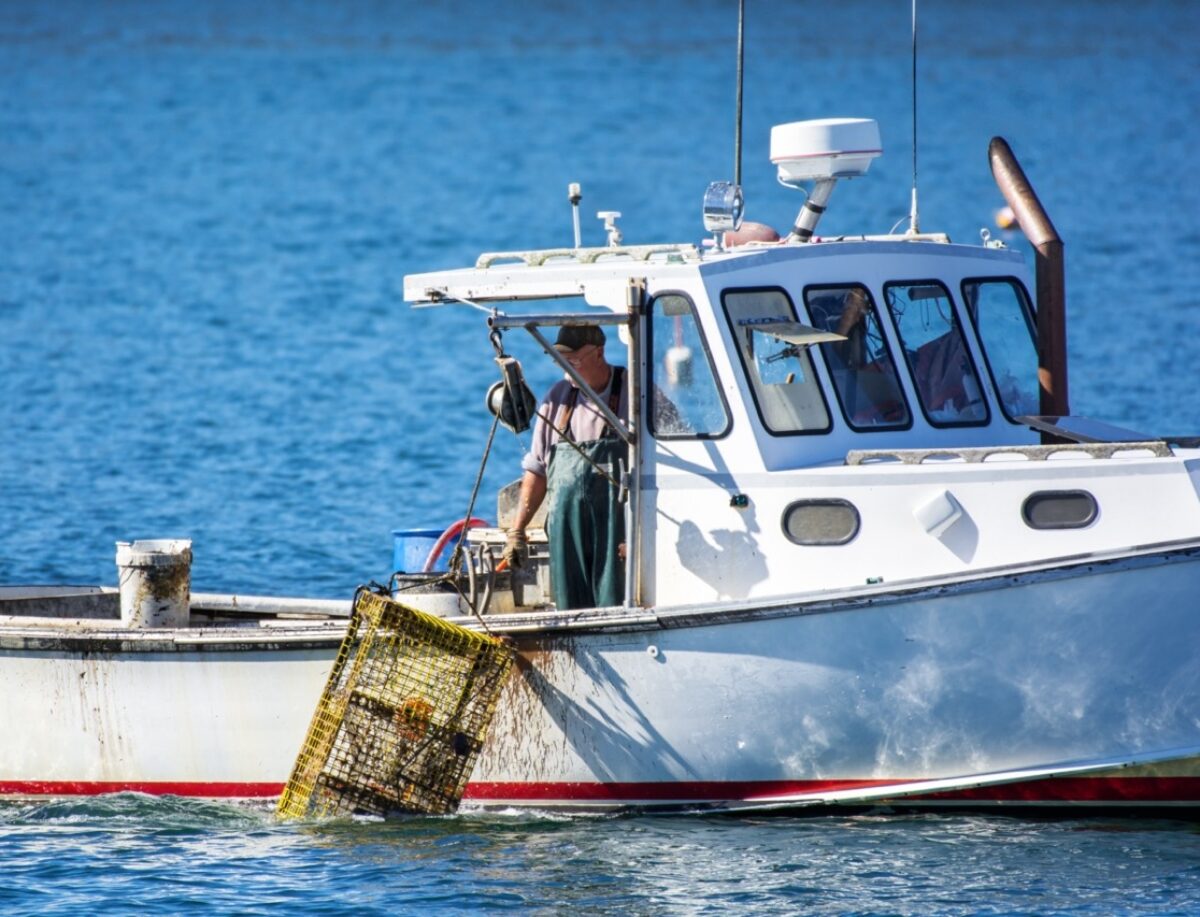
(585, 522)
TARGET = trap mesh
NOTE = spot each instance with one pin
(402, 717)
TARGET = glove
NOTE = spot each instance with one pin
(516, 549)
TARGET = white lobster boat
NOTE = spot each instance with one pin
(870, 558)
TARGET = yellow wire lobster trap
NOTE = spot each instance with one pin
(402, 718)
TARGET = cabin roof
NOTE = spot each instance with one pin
(602, 275)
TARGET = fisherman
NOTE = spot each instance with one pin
(585, 522)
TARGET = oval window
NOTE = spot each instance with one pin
(820, 522)
(1059, 509)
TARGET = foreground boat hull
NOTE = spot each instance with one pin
(693, 708)
(1052, 666)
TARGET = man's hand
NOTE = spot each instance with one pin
(516, 549)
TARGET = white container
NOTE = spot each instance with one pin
(155, 582)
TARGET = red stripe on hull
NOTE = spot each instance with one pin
(1083, 790)
(151, 788)
(682, 791)
(1059, 790)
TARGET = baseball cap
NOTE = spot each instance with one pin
(572, 337)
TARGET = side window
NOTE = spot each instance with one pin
(861, 367)
(773, 347)
(685, 401)
(1004, 320)
(936, 353)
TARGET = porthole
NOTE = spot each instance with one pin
(820, 522)
(1059, 509)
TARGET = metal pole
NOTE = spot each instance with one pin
(737, 129)
(633, 529)
(1051, 281)
(556, 320)
(914, 219)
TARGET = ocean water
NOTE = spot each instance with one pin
(206, 213)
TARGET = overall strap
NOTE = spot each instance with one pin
(614, 393)
(572, 400)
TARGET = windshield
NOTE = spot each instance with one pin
(861, 366)
(773, 347)
(936, 353)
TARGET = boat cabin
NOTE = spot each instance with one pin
(816, 414)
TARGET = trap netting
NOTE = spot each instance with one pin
(402, 718)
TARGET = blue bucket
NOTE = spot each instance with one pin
(411, 547)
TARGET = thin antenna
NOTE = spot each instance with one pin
(737, 130)
(914, 221)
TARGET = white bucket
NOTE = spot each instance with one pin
(155, 582)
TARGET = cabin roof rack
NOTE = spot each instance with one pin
(538, 257)
(1149, 449)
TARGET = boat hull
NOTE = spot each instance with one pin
(727, 708)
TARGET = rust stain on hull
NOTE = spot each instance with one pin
(529, 734)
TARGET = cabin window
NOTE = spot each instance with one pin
(773, 347)
(686, 401)
(820, 522)
(1004, 321)
(936, 353)
(861, 366)
(1059, 509)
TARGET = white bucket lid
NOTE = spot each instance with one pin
(157, 552)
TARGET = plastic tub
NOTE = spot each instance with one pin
(411, 547)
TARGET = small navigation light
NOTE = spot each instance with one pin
(575, 195)
(722, 208)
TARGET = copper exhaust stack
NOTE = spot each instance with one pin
(1051, 283)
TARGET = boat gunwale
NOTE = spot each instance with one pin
(620, 620)
(530, 627)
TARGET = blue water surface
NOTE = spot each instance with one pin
(206, 213)
(127, 854)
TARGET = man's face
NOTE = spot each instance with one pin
(583, 356)
(588, 361)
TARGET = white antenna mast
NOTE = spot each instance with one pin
(723, 204)
(737, 128)
(914, 220)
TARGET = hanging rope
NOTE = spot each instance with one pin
(456, 557)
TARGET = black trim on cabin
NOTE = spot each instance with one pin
(817, 540)
(1054, 510)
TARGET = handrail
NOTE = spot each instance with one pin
(538, 257)
(1156, 448)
